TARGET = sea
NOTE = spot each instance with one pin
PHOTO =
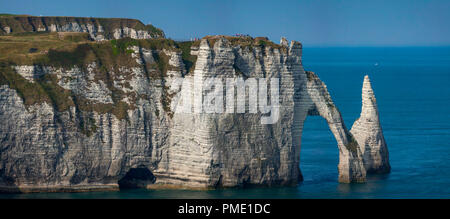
(412, 88)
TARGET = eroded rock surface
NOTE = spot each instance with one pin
(98, 28)
(351, 168)
(50, 146)
(369, 135)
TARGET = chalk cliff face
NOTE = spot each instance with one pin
(98, 28)
(114, 127)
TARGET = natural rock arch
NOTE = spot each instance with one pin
(189, 150)
(316, 99)
(367, 151)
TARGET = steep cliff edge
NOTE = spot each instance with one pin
(98, 28)
(98, 115)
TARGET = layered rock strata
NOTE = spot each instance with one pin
(49, 146)
(369, 135)
(98, 28)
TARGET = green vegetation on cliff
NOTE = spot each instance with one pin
(26, 23)
(8, 15)
(246, 42)
(72, 49)
(188, 59)
(67, 50)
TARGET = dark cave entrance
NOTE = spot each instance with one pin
(319, 155)
(137, 178)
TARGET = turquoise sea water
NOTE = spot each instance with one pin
(412, 87)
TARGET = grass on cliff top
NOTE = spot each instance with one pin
(26, 23)
(244, 42)
(70, 49)
(13, 15)
(67, 50)
(26, 48)
(6, 15)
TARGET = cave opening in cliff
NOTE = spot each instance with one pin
(137, 178)
(319, 155)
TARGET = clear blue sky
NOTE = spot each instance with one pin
(314, 22)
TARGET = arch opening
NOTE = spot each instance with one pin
(319, 156)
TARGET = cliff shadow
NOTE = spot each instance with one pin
(8, 184)
(138, 177)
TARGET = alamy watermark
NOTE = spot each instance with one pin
(207, 95)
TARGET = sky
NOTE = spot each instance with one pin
(312, 22)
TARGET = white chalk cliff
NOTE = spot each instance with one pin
(45, 148)
(369, 135)
(98, 28)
